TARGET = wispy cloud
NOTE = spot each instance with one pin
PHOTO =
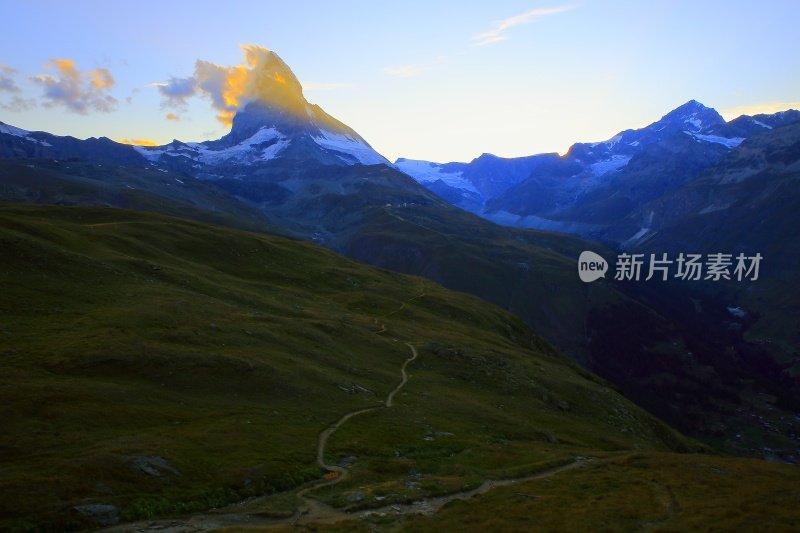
(7, 82)
(175, 91)
(78, 91)
(101, 79)
(498, 32)
(17, 103)
(326, 86)
(405, 71)
(756, 109)
(9, 85)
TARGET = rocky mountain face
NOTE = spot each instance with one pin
(756, 177)
(594, 185)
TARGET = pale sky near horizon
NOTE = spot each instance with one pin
(436, 80)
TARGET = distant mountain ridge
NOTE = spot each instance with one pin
(580, 191)
(272, 143)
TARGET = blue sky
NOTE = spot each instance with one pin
(431, 80)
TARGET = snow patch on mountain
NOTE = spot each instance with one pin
(505, 218)
(738, 312)
(19, 132)
(354, 150)
(272, 151)
(714, 207)
(615, 162)
(246, 150)
(637, 238)
(151, 154)
(12, 130)
(426, 172)
(609, 144)
(695, 122)
(731, 142)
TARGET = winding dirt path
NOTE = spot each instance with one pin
(320, 513)
(325, 435)
(403, 375)
(402, 306)
(315, 511)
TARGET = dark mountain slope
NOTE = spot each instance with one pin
(749, 203)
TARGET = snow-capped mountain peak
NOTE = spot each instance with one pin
(550, 182)
(277, 122)
(691, 116)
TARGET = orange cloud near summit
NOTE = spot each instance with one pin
(231, 88)
(235, 85)
(262, 76)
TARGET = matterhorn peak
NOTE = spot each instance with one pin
(270, 120)
(272, 97)
(263, 77)
(271, 81)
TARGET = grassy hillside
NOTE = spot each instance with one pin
(529, 273)
(162, 366)
(629, 492)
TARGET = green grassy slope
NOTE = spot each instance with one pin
(126, 337)
(529, 273)
(631, 492)
(164, 366)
